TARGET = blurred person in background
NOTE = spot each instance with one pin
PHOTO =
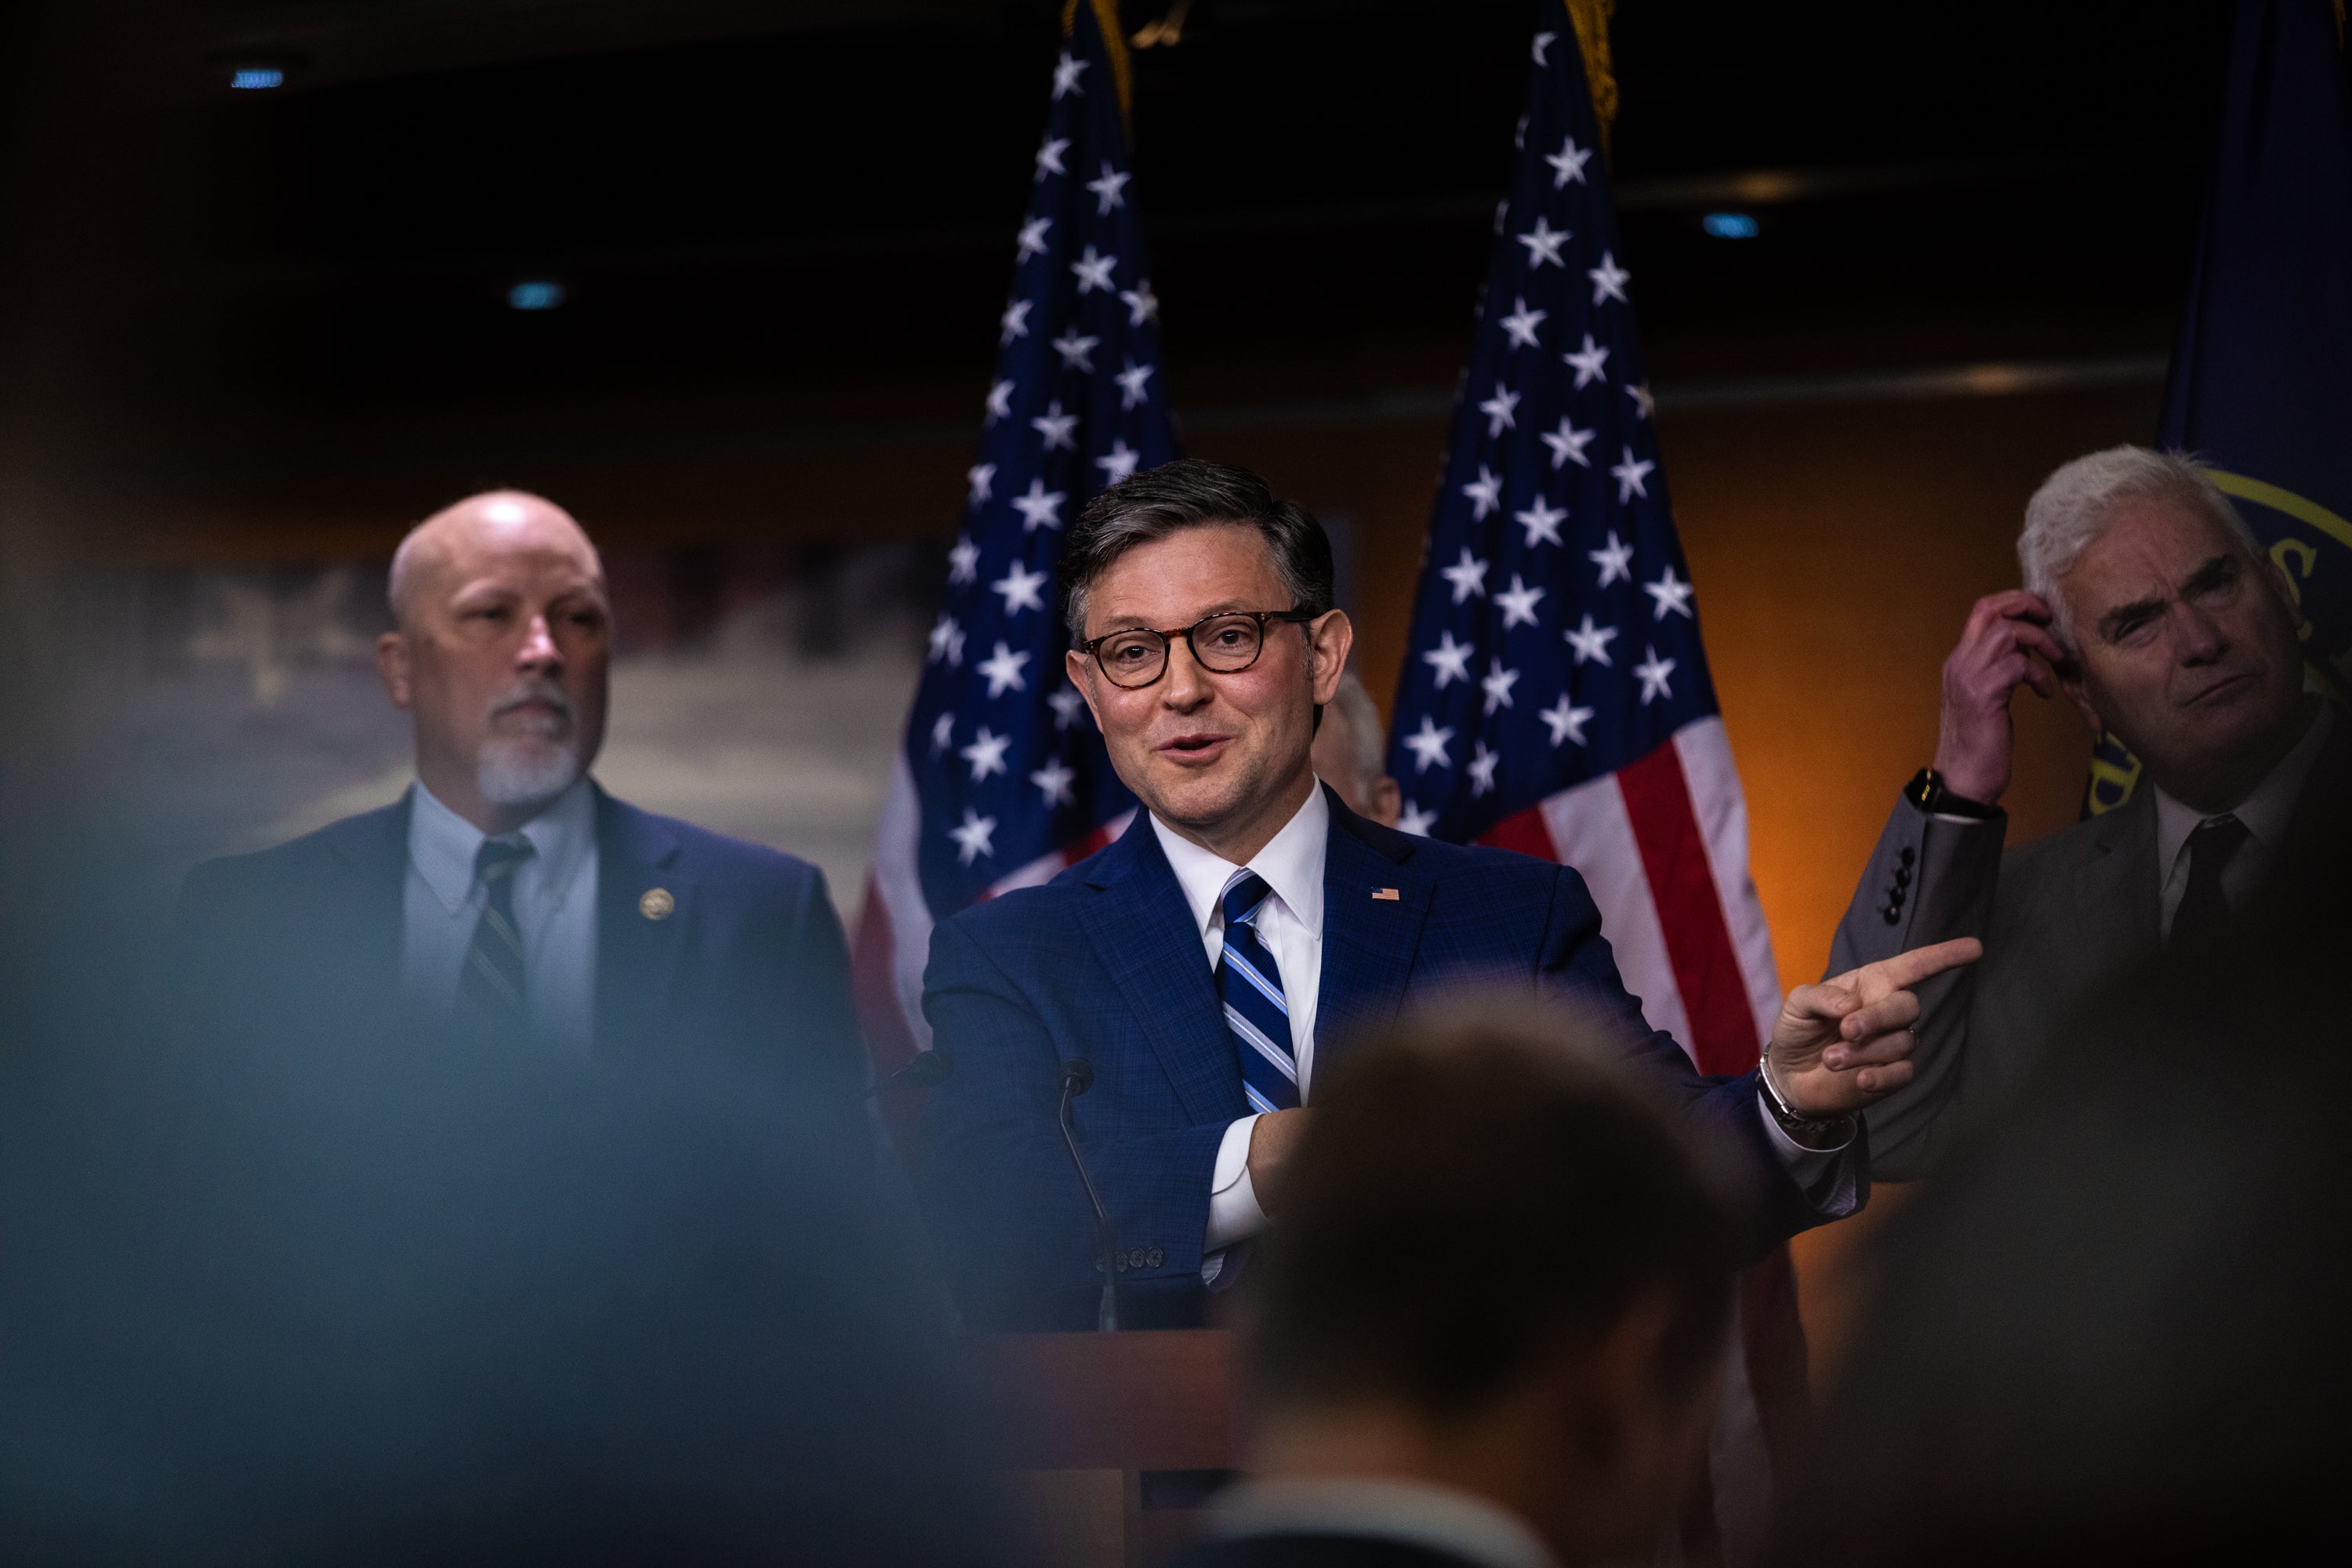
(506, 899)
(2150, 606)
(1350, 754)
(1200, 961)
(1490, 1328)
(2113, 1330)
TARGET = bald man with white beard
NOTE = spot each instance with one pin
(505, 903)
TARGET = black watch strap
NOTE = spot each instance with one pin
(1928, 792)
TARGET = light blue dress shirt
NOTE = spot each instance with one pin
(554, 906)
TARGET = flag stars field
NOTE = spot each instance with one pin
(1427, 745)
(1486, 493)
(1002, 773)
(1589, 642)
(1542, 522)
(1039, 507)
(1568, 444)
(1553, 438)
(1518, 601)
(1590, 362)
(1615, 560)
(1543, 243)
(1672, 595)
(986, 753)
(1521, 325)
(1468, 576)
(1001, 669)
(1450, 659)
(1565, 721)
(1023, 589)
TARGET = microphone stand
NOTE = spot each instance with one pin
(1077, 1077)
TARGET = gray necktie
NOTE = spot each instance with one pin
(492, 1007)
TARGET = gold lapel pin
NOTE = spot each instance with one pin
(658, 905)
(1387, 894)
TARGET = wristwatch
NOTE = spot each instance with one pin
(1811, 1132)
(1928, 792)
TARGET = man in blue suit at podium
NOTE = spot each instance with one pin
(1206, 963)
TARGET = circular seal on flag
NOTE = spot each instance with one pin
(2313, 546)
(658, 904)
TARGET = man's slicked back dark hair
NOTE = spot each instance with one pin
(1192, 493)
(1481, 1190)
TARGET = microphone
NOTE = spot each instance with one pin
(1077, 1077)
(928, 1071)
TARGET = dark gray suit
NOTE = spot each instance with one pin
(2055, 916)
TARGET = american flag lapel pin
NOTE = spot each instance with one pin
(1388, 895)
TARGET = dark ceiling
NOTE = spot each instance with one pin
(736, 195)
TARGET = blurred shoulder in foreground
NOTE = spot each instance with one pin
(296, 1302)
(2115, 1328)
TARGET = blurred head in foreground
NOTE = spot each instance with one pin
(2115, 1328)
(1501, 1286)
(501, 652)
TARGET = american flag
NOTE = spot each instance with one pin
(1003, 779)
(1555, 698)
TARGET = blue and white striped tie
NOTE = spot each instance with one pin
(1251, 987)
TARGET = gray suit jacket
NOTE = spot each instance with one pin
(2055, 916)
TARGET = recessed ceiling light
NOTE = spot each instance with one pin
(1730, 226)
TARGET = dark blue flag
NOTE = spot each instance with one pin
(1003, 779)
(2262, 375)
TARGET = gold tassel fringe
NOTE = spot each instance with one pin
(1590, 20)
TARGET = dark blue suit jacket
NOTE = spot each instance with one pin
(747, 969)
(1104, 962)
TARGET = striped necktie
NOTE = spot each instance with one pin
(1251, 989)
(491, 1008)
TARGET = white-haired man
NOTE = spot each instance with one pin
(506, 902)
(2150, 606)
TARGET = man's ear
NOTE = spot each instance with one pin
(1078, 667)
(1331, 638)
(391, 667)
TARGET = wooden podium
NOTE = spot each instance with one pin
(1113, 1441)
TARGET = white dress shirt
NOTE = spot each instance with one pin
(1415, 1513)
(2266, 816)
(554, 906)
(1291, 927)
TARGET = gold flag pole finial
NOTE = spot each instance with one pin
(1590, 20)
(1115, 45)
